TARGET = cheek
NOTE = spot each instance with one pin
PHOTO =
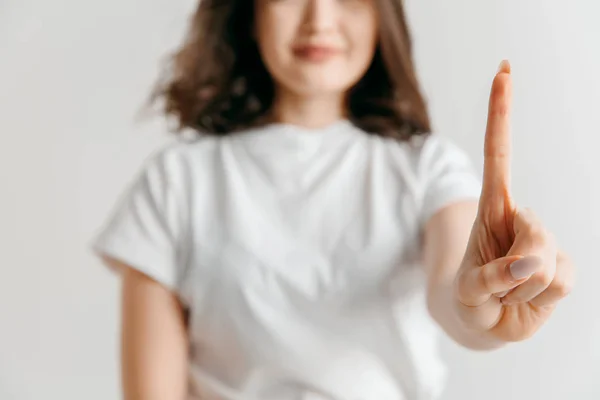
(273, 37)
(363, 40)
(363, 43)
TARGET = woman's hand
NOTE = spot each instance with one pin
(512, 275)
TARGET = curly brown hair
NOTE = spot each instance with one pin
(216, 83)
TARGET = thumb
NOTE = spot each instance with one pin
(475, 286)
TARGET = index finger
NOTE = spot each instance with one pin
(496, 169)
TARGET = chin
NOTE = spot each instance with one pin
(319, 84)
(323, 90)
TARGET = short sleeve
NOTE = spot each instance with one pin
(446, 174)
(147, 228)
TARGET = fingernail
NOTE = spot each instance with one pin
(524, 267)
(504, 67)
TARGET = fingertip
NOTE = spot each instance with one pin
(501, 86)
(500, 107)
(504, 67)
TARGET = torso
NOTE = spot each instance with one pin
(303, 277)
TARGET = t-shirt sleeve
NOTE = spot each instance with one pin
(447, 176)
(147, 228)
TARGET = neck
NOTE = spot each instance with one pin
(308, 111)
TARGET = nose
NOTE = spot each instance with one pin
(320, 15)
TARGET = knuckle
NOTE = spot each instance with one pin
(538, 237)
(534, 230)
(528, 211)
(563, 259)
(562, 288)
(526, 215)
(542, 279)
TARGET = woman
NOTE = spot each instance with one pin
(310, 239)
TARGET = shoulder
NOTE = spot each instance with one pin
(182, 150)
(190, 165)
(172, 168)
(434, 168)
(181, 156)
(202, 147)
(426, 155)
(425, 147)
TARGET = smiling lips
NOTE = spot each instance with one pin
(315, 53)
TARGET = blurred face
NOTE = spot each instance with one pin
(316, 47)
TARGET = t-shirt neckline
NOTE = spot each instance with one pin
(280, 137)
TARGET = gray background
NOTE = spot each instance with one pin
(74, 73)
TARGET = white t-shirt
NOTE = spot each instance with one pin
(297, 253)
